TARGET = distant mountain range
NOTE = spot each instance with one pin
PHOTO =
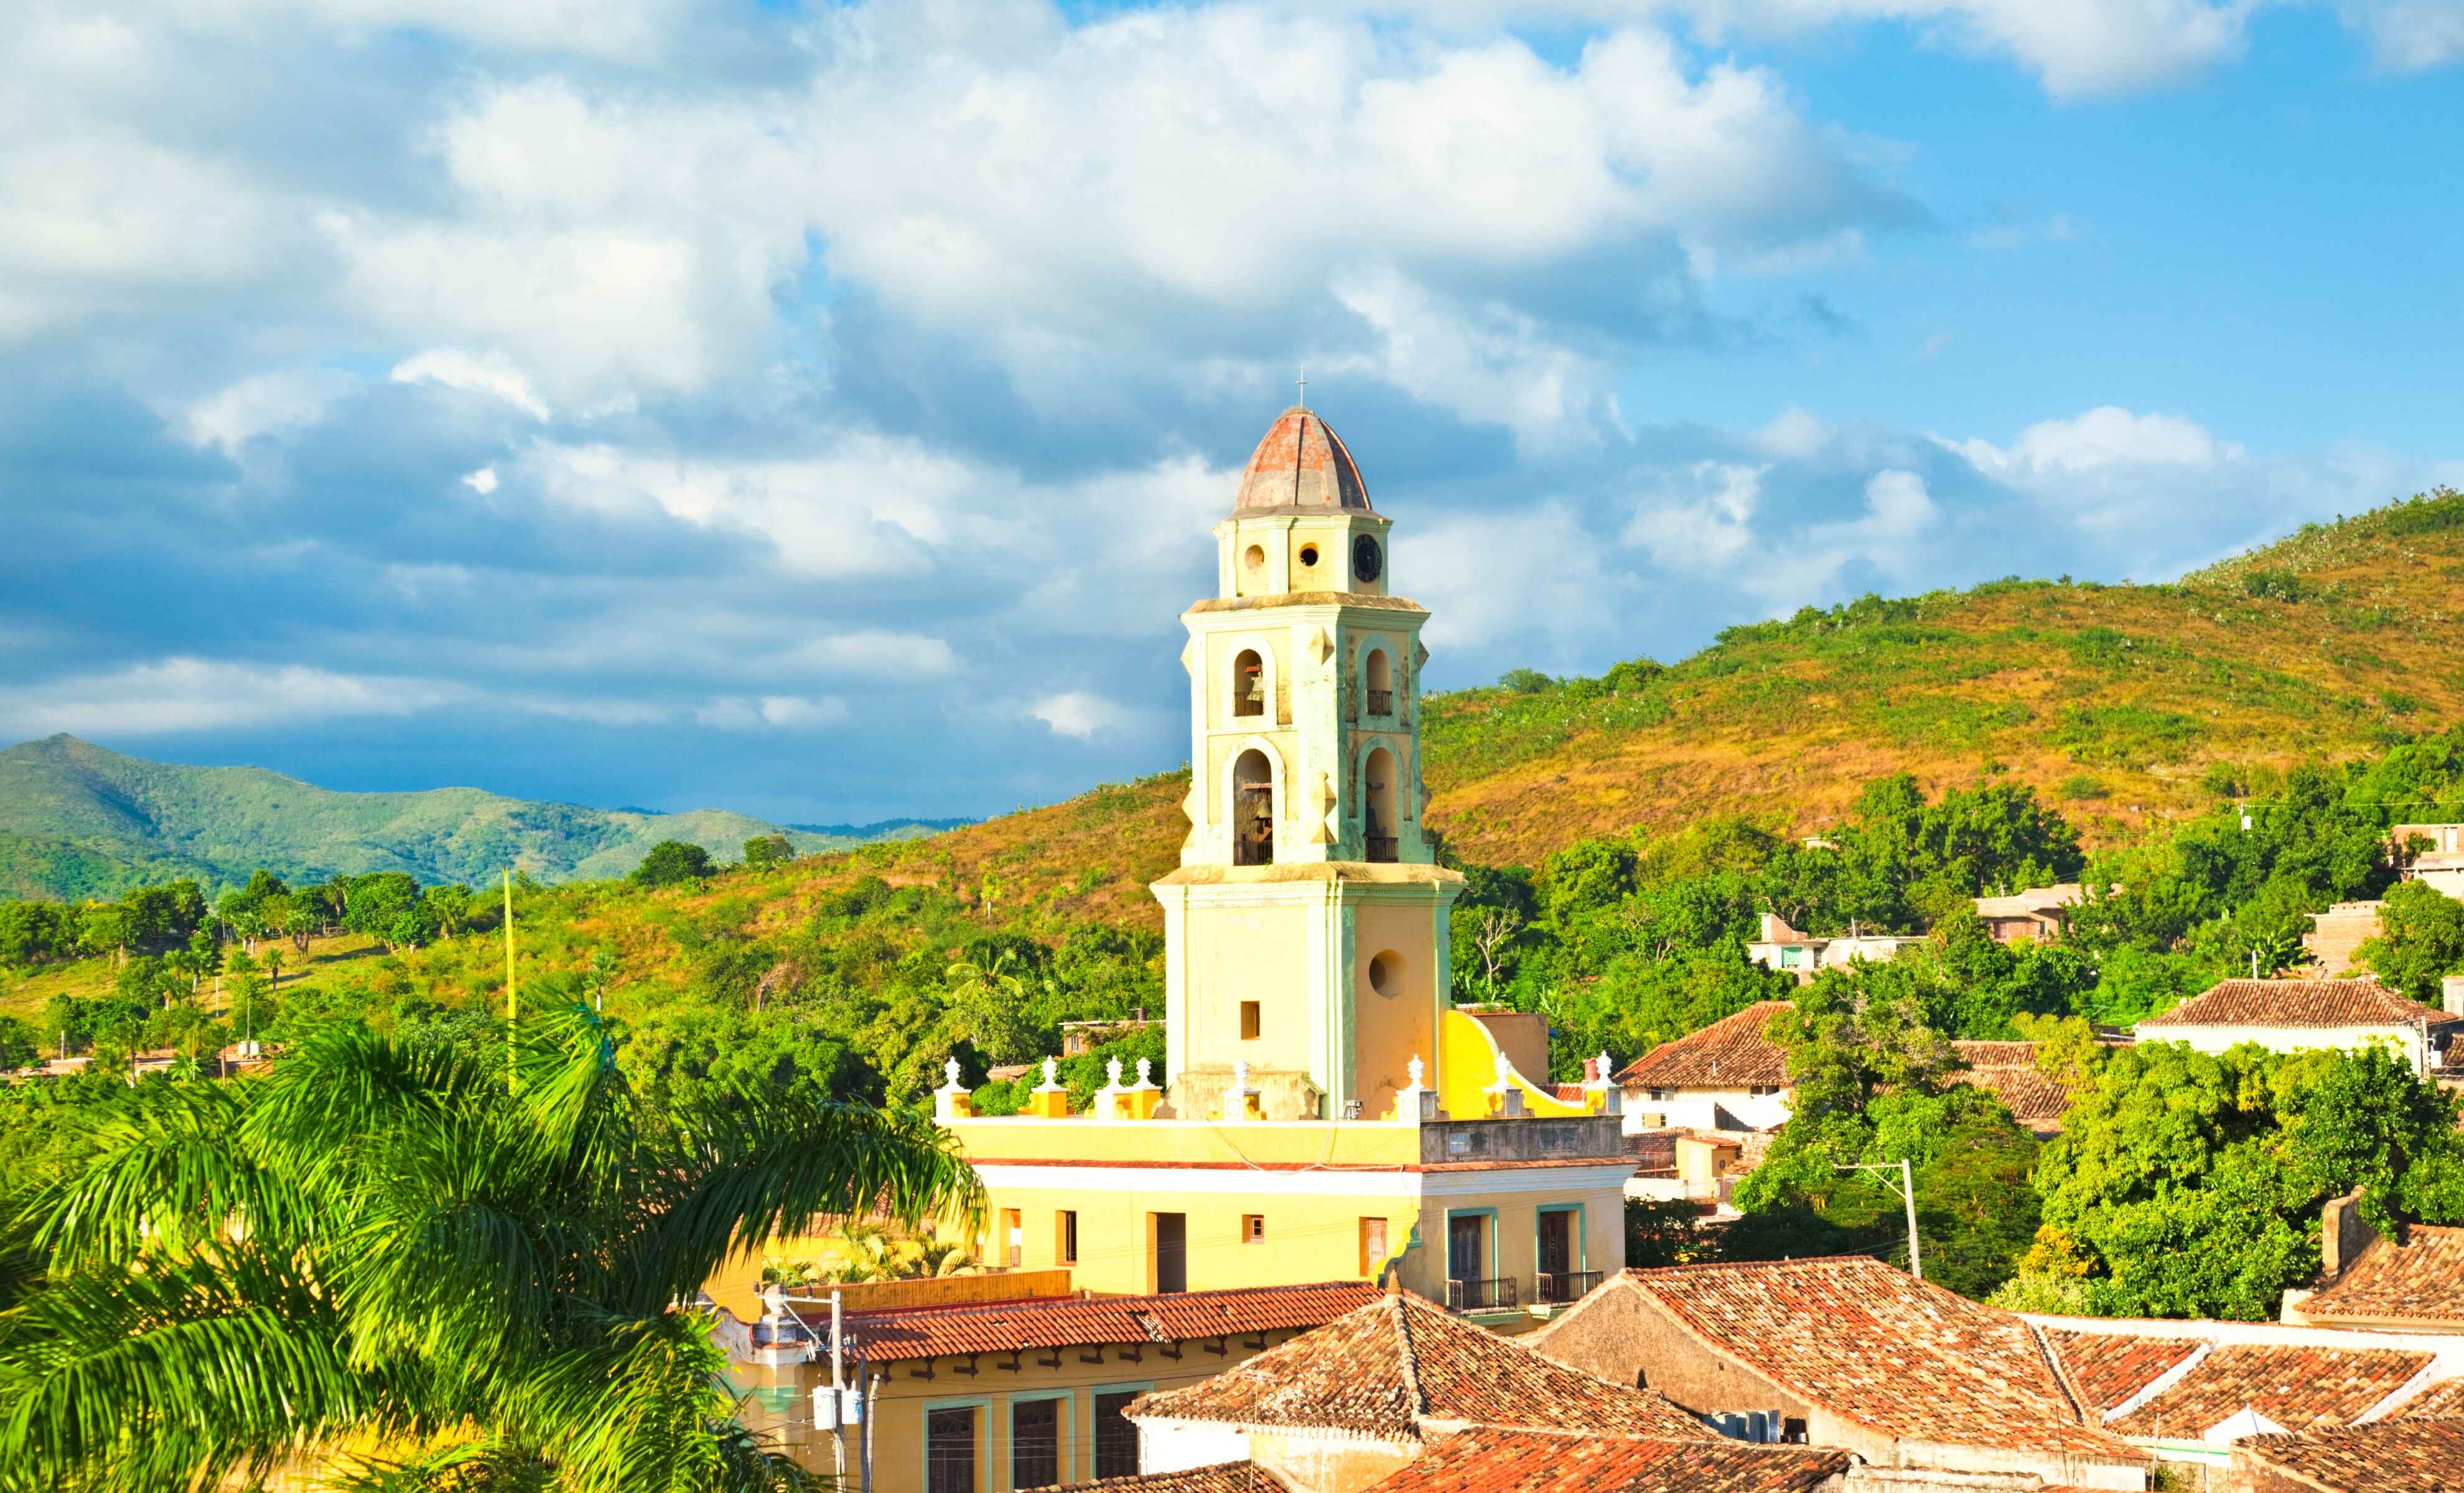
(78, 821)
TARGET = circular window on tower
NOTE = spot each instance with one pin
(1366, 561)
(1386, 972)
(1255, 559)
(1308, 556)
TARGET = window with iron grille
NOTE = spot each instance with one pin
(1034, 1444)
(1117, 1437)
(950, 1450)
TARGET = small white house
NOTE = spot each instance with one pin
(1783, 948)
(2312, 1015)
(1729, 1076)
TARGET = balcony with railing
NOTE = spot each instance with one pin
(1558, 1287)
(1381, 702)
(1495, 1295)
(1383, 847)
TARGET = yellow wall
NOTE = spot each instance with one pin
(782, 1406)
(1471, 1056)
(1267, 954)
(1389, 1030)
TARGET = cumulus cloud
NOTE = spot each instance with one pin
(2102, 438)
(265, 404)
(772, 712)
(489, 374)
(1079, 714)
(176, 694)
(2410, 33)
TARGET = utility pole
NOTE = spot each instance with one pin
(512, 1080)
(1907, 1190)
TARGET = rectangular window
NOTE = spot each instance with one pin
(1253, 1228)
(1249, 1022)
(1372, 1244)
(1067, 1246)
(1013, 1237)
(950, 1450)
(1034, 1444)
(1170, 1257)
(1116, 1435)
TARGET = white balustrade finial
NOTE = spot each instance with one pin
(1111, 1072)
(1052, 1072)
(1240, 1074)
(1416, 1069)
(1143, 1064)
(1606, 1067)
(1505, 1068)
(951, 1069)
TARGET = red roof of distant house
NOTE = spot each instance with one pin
(1881, 1347)
(2445, 1398)
(1399, 1361)
(1223, 1477)
(2301, 1002)
(2403, 1455)
(1070, 1322)
(2296, 1385)
(1734, 1052)
(2421, 1279)
(1536, 1462)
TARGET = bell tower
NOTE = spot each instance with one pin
(1307, 926)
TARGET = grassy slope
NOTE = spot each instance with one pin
(78, 820)
(2139, 689)
(2113, 700)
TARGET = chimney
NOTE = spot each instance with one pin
(2343, 1236)
(2451, 993)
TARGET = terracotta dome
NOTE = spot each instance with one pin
(1302, 466)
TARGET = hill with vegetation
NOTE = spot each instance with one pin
(79, 821)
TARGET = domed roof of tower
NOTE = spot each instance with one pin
(1302, 466)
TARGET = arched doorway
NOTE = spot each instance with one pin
(1253, 809)
(1380, 828)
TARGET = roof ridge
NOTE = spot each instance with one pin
(1416, 1404)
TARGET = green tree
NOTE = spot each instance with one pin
(64, 1022)
(764, 851)
(20, 1044)
(482, 1283)
(2420, 937)
(671, 861)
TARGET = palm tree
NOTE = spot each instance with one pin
(378, 1245)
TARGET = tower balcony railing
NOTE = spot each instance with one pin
(1381, 702)
(1494, 1295)
(1384, 848)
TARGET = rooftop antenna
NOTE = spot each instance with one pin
(1304, 386)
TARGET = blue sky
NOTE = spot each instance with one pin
(818, 410)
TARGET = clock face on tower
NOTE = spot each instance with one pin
(1366, 561)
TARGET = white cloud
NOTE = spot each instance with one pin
(475, 373)
(2410, 33)
(2104, 437)
(772, 712)
(265, 404)
(1077, 714)
(482, 481)
(1705, 519)
(184, 694)
(1514, 574)
(874, 652)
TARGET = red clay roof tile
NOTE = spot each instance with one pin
(1734, 1052)
(1301, 463)
(2422, 1278)
(1878, 1347)
(2301, 1002)
(1401, 1362)
(1223, 1477)
(1528, 1461)
(1069, 1322)
(2405, 1455)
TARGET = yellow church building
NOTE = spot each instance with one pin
(1329, 1112)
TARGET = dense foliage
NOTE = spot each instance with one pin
(390, 1253)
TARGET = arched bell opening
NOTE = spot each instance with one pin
(1253, 809)
(1380, 828)
(1377, 680)
(1249, 683)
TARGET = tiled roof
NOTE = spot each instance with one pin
(1996, 1054)
(2035, 899)
(1070, 1322)
(2422, 1278)
(1223, 1476)
(1301, 463)
(1530, 1461)
(1878, 1347)
(2445, 1399)
(2108, 1367)
(2299, 1002)
(1399, 1362)
(1734, 1052)
(2296, 1387)
(2033, 1098)
(2405, 1455)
